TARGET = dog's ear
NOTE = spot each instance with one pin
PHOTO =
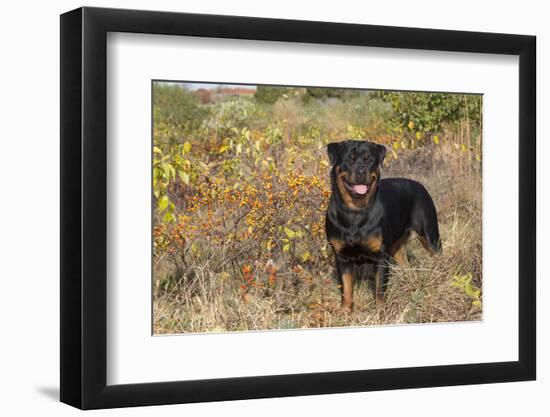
(381, 150)
(333, 150)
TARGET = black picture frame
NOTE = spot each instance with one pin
(84, 207)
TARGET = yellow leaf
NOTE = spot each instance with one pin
(436, 140)
(396, 145)
(239, 148)
(286, 247)
(463, 148)
(418, 135)
(187, 147)
(223, 148)
(411, 125)
(306, 256)
(156, 149)
(290, 233)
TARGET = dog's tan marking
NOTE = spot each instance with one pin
(400, 257)
(398, 251)
(374, 181)
(337, 244)
(346, 196)
(347, 296)
(374, 243)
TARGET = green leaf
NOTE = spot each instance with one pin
(169, 170)
(157, 173)
(168, 217)
(290, 233)
(184, 176)
(163, 203)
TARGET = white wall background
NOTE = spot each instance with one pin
(29, 219)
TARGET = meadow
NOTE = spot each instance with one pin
(241, 184)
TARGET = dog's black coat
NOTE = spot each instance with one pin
(373, 226)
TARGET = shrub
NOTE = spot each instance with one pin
(269, 95)
(235, 113)
(177, 109)
(323, 93)
(429, 112)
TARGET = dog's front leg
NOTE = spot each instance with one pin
(346, 278)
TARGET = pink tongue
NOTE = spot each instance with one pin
(360, 189)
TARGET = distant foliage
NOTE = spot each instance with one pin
(176, 108)
(234, 113)
(324, 93)
(269, 95)
(429, 112)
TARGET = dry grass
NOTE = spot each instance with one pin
(209, 296)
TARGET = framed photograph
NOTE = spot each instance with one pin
(258, 208)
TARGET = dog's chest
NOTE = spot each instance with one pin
(358, 248)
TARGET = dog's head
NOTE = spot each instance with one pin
(356, 170)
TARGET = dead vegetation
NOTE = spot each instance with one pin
(242, 286)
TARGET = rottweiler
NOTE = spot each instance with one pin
(369, 219)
